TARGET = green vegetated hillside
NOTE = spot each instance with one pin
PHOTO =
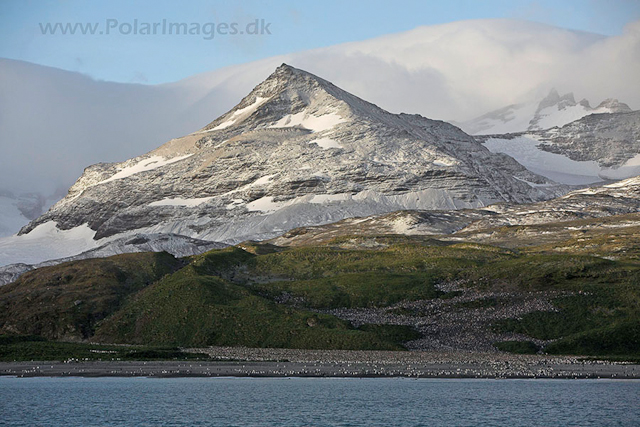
(66, 301)
(259, 295)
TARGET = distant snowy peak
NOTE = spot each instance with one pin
(553, 111)
(553, 99)
(595, 148)
(556, 110)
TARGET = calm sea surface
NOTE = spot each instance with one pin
(316, 402)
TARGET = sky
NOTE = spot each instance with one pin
(115, 53)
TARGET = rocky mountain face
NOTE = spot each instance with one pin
(594, 210)
(608, 207)
(594, 148)
(296, 151)
(609, 139)
(554, 110)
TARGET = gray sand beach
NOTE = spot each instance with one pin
(250, 362)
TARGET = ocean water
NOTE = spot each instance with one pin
(316, 402)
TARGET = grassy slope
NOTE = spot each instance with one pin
(326, 277)
(225, 297)
(194, 308)
(67, 300)
(601, 316)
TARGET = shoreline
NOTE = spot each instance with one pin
(284, 363)
(102, 369)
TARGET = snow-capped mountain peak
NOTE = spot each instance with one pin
(554, 110)
(296, 151)
(298, 98)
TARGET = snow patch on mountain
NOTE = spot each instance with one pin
(444, 162)
(45, 242)
(326, 143)
(622, 188)
(240, 114)
(265, 180)
(178, 201)
(262, 181)
(144, 165)
(265, 204)
(525, 149)
(553, 116)
(594, 148)
(629, 168)
(309, 121)
(328, 198)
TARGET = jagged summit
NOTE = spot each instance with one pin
(296, 151)
(554, 110)
(554, 99)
